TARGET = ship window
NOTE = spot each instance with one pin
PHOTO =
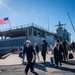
(35, 33)
(30, 31)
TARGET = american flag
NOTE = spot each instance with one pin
(4, 21)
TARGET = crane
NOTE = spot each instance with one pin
(71, 22)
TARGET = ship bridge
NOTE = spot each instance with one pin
(24, 30)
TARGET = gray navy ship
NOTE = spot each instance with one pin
(13, 39)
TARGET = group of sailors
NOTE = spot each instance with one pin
(60, 51)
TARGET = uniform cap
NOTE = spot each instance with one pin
(28, 41)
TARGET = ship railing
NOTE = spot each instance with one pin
(23, 26)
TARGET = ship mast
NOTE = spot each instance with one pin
(60, 25)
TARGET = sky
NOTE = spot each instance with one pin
(21, 12)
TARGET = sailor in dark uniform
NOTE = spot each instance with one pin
(58, 49)
(44, 50)
(29, 52)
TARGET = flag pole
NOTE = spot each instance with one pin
(10, 34)
(48, 24)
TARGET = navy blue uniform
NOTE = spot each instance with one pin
(29, 52)
(58, 54)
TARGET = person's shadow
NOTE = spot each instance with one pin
(35, 73)
(66, 69)
(40, 66)
(70, 62)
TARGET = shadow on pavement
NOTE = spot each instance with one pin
(66, 69)
(42, 66)
(70, 62)
(35, 73)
